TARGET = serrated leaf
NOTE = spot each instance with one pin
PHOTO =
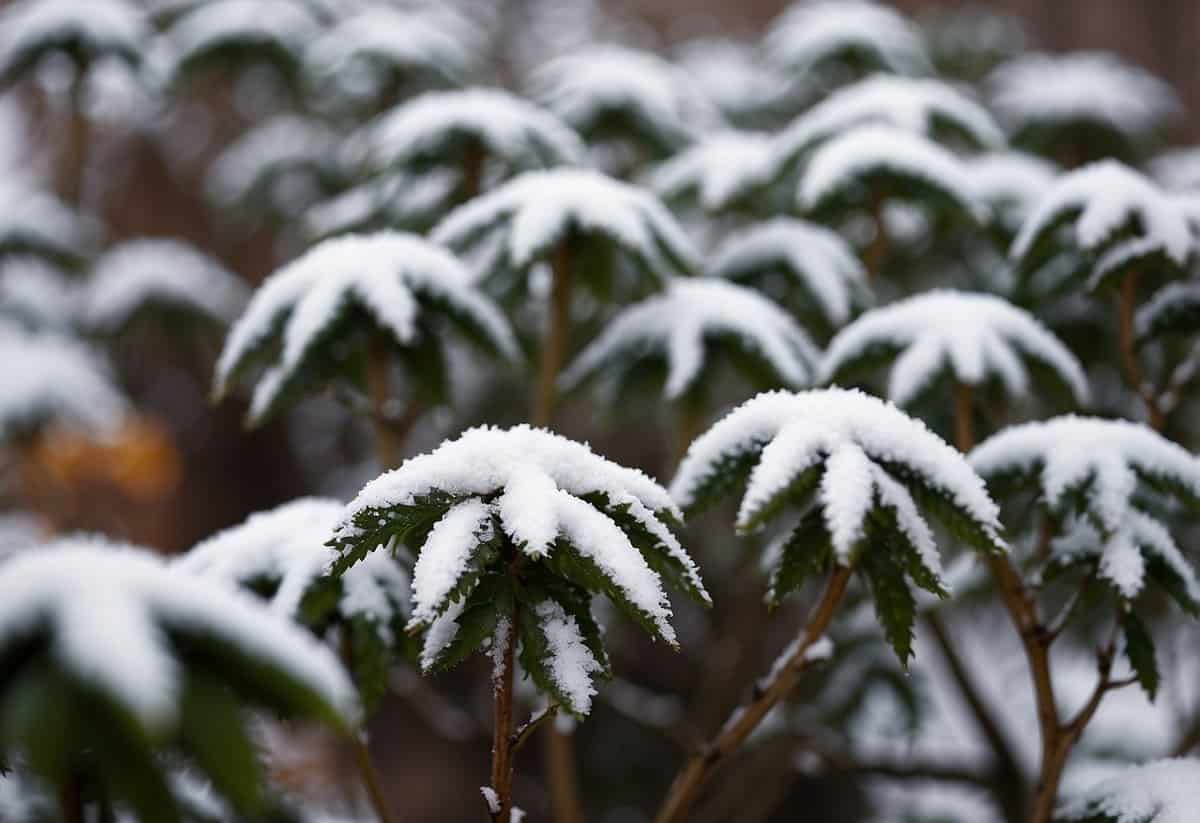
(376, 528)
(725, 475)
(884, 533)
(370, 658)
(940, 506)
(895, 605)
(807, 553)
(214, 732)
(1139, 649)
(795, 494)
(1161, 573)
(492, 598)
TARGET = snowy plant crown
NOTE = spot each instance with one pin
(38, 223)
(856, 480)
(600, 218)
(441, 129)
(724, 172)
(151, 275)
(1113, 219)
(521, 518)
(108, 649)
(684, 331)
(1163, 791)
(313, 320)
(803, 265)
(609, 91)
(974, 339)
(878, 160)
(87, 32)
(1110, 486)
(280, 555)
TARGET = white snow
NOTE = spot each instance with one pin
(816, 258)
(109, 610)
(800, 430)
(285, 26)
(445, 555)
(1177, 169)
(588, 86)
(570, 662)
(1178, 295)
(270, 150)
(537, 209)
(1097, 87)
(398, 198)
(1110, 456)
(546, 475)
(1011, 182)
(1107, 196)
(37, 293)
(159, 271)
(811, 32)
(920, 106)
(681, 324)
(51, 378)
(34, 220)
(732, 76)
(842, 162)
(976, 337)
(386, 273)
(718, 170)
(1162, 791)
(100, 27)
(511, 130)
(491, 798)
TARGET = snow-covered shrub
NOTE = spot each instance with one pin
(1165, 791)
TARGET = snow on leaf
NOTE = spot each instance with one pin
(784, 436)
(279, 28)
(37, 294)
(1011, 182)
(403, 200)
(36, 222)
(814, 257)
(1177, 169)
(536, 211)
(85, 593)
(1101, 200)
(50, 378)
(849, 159)
(813, 32)
(976, 337)
(718, 170)
(393, 276)
(281, 145)
(518, 134)
(928, 108)
(684, 323)
(732, 76)
(150, 271)
(89, 31)
(1163, 791)
(445, 556)
(845, 494)
(570, 662)
(1089, 87)
(590, 87)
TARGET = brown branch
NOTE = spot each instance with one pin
(876, 252)
(387, 443)
(964, 424)
(562, 775)
(502, 736)
(554, 347)
(783, 678)
(1132, 367)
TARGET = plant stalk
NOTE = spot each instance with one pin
(70, 798)
(388, 439)
(964, 423)
(874, 256)
(472, 172)
(745, 719)
(1127, 308)
(73, 162)
(502, 732)
(562, 775)
(362, 754)
(554, 348)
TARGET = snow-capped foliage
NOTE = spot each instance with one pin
(391, 283)
(258, 165)
(810, 257)
(608, 91)
(1173, 309)
(1163, 791)
(718, 171)
(974, 338)
(405, 200)
(688, 325)
(815, 34)
(930, 108)
(537, 211)
(1011, 183)
(49, 378)
(863, 476)
(1103, 472)
(34, 221)
(497, 506)
(1039, 96)
(276, 30)
(77, 592)
(150, 273)
(734, 79)
(1110, 208)
(362, 52)
(88, 32)
(1177, 169)
(37, 294)
(872, 155)
(442, 128)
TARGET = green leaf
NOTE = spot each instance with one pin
(807, 553)
(377, 527)
(492, 598)
(371, 658)
(939, 505)
(1161, 573)
(213, 729)
(1139, 649)
(796, 493)
(725, 475)
(535, 653)
(894, 603)
(884, 534)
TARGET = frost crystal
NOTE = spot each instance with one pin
(683, 323)
(977, 337)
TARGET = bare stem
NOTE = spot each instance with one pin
(562, 775)
(70, 798)
(745, 719)
(73, 161)
(1129, 358)
(876, 252)
(964, 410)
(554, 348)
(387, 442)
(502, 732)
(472, 171)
